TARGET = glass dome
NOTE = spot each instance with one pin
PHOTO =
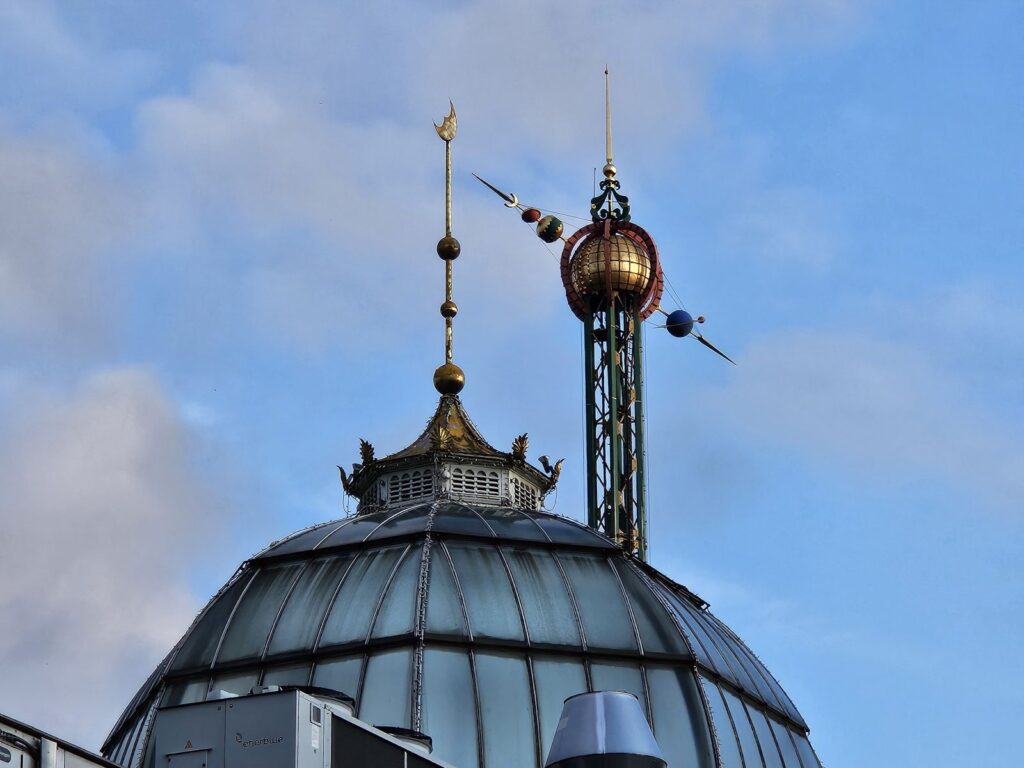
(472, 624)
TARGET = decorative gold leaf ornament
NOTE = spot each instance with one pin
(519, 447)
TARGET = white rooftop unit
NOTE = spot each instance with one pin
(281, 728)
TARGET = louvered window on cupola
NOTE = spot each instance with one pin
(524, 495)
(405, 486)
(483, 484)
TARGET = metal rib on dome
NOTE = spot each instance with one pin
(472, 624)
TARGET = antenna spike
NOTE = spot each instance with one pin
(607, 116)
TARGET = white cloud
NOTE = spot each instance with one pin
(103, 518)
(319, 130)
(318, 139)
(55, 64)
(59, 216)
(880, 407)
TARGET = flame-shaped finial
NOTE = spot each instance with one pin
(446, 130)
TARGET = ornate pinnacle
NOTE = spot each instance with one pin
(448, 378)
(609, 204)
(519, 447)
(365, 452)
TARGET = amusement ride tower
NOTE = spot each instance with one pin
(613, 283)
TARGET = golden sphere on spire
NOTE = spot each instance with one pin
(619, 260)
(449, 379)
(448, 248)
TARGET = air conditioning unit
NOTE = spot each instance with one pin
(282, 728)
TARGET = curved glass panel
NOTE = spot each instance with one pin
(444, 606)
(619, 676)
(247, 633)
(744, 730)
(777, 696)
(731, 644)
(807, 756)
(293, 674)
(199, 647)
(340, 674)
(680, 725)
(769, 751)
(398, 609)
(728, 748)
(565, 531)
(238, 682)
(786, 745)
(386, 689)
(123, 752)
(506, 708)
(133, 754)
(606, 622)
(707, 648)
(510, 524)
(550, 617)
(449, 706)
(350, 616)
(455, 518)
(410, 521)
(116, 754)
(658, 633)
(355, 531)
(304, 612)
(150, 760)
(556, 679)
(490, 604)
(185, 692)
(305, 541)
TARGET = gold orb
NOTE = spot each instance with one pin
(449, 309)
(448, 248)
(630, 266)
(449, 379)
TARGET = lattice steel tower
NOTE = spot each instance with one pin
(613, 282)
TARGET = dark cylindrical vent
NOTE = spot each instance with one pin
(606, 729)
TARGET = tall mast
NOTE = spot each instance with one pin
(448, 378)
(613, 277)
(613, 282)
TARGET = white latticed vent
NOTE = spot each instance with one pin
(524, 495)
(476, 483)
(406, 486)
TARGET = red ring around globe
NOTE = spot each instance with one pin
(649, 298)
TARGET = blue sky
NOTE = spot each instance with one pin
(216, 273)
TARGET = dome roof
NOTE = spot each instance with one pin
(473, 623)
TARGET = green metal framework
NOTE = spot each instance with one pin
(613, 388)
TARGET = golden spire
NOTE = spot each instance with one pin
(609, 168)
(448, 378)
